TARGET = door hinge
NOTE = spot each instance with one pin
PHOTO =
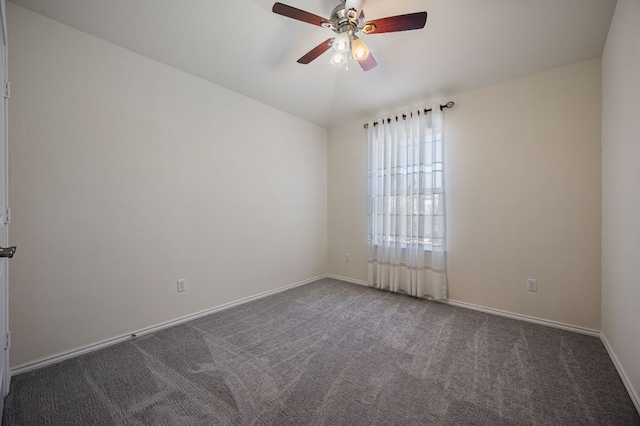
(7, 340)
(7, 215)
(7, 90)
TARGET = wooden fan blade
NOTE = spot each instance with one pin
(316, 51)
(368, 63)
(410, 21)
(300, 15)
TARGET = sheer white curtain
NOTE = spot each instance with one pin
(406, 226)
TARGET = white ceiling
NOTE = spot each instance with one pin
(243, 46)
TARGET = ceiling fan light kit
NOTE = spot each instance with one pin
(359, 50)
(347, 19)
(338, 59)
(341, 42)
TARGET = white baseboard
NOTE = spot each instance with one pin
(582, 330)
(535, 320)
(43, 362)
(349, 280)
(623, 375)
(555, 324)
(93, 347)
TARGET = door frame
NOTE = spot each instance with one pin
(4, 191)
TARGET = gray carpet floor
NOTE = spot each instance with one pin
(333, 353)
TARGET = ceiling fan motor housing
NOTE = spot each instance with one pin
(342, 23)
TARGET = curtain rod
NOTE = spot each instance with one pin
(449, 104)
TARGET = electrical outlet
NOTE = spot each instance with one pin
(347, 257)
(532, 285)
(182, 285)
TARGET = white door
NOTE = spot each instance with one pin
(5, 376)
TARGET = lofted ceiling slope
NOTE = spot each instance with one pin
(243, 46)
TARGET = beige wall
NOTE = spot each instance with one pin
(621, 190)
(523, 184)
(116, 164)
(347, 201)
(127, 175)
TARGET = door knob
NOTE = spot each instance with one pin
(7, 252)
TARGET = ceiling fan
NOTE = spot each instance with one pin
(348, 19)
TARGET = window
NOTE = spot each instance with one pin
(406, 183)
